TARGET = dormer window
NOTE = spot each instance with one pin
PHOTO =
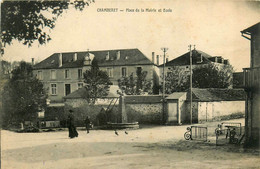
(107, 56)
(118, 55)
(200, 59)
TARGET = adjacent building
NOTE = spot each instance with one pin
(199, 59)
(252, 86)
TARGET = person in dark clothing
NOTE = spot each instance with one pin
(71, 125)
(88, 123)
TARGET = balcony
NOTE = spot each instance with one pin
(251, 78)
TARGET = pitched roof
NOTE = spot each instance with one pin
(81, 93)
(252, 29)
(127, 57)
(176, 95)
(184, 59)
(215, 94)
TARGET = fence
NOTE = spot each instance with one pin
(196, 133)
(199, 133)
(229, 133)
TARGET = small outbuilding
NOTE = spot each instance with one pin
(207, 105)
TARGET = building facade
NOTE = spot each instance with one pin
(252, 87)
(62, 73)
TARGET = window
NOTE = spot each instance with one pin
(67, 74)
(79, 73)
(80, 85)
(110, 72)
(53, 74)
(39, 75)
(67, 89)
(53, 89)
(123, 71)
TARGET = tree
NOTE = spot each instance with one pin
(135, 86)
(206, 76)
(97, 83)
(176, 80)
(212, 76)
(23, 96)
(27, 21)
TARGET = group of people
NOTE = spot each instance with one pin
(71, 125)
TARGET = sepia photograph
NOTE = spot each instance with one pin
(130, 84)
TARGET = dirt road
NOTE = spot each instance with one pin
(155, 147)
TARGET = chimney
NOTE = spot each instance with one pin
(60, 59)
(75, 57)
(157, 57)
(153, 57)
(32, 61)
(107, 56)
(118, 55)
(167, 59)
(226, 62)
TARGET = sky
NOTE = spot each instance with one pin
(213, 26)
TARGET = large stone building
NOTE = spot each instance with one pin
(62, 73)
(252, 86)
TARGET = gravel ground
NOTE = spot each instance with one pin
(148, 147)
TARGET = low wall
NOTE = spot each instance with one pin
(209, 111)
(144, 109)
(144, 113)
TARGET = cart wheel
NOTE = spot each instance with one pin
(187, 136)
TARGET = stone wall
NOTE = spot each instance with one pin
(144, 113)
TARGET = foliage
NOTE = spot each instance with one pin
(135, 86)
(27, 21)
(212, 76)
(176, 80)
(97, 83)
(23, 95)
(206, 76)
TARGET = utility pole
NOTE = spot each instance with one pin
(164, 52)
(190, 84)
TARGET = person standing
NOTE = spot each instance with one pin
(88, 124)
(71, 125)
